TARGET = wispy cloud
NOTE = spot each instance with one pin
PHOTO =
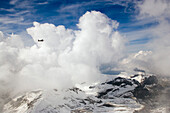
(69, 7)
(12, 2)
(8, 20)
(43, 3)
(73, 8)
(25, 4)
(18, 13)
(8, 10)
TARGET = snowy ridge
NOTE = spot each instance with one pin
(23, 103)
(114, 96)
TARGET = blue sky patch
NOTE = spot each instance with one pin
(17, 15)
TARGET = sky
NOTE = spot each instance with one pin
(129, 27)
(17, 15)
(82, 41)
(65, 12)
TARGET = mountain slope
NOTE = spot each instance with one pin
(117, 95)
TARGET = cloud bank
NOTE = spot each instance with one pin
(156, 60)
(159, 11)
(66, 57)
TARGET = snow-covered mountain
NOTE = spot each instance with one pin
(120, 94)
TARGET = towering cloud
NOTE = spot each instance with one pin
(75, 55)
(65, 57)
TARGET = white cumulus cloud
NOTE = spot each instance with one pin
(64, 58)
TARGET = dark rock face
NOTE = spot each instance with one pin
(148, 88)
(141, 92)
(146, 92)
(156, 97)
(136, 82)
(150, 80)
(120, 87)
(75, 89)
(101, 94)
(119, 81)
(108, 105)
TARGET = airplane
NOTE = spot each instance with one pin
(40, 40)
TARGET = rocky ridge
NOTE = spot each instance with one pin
(125, 95)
